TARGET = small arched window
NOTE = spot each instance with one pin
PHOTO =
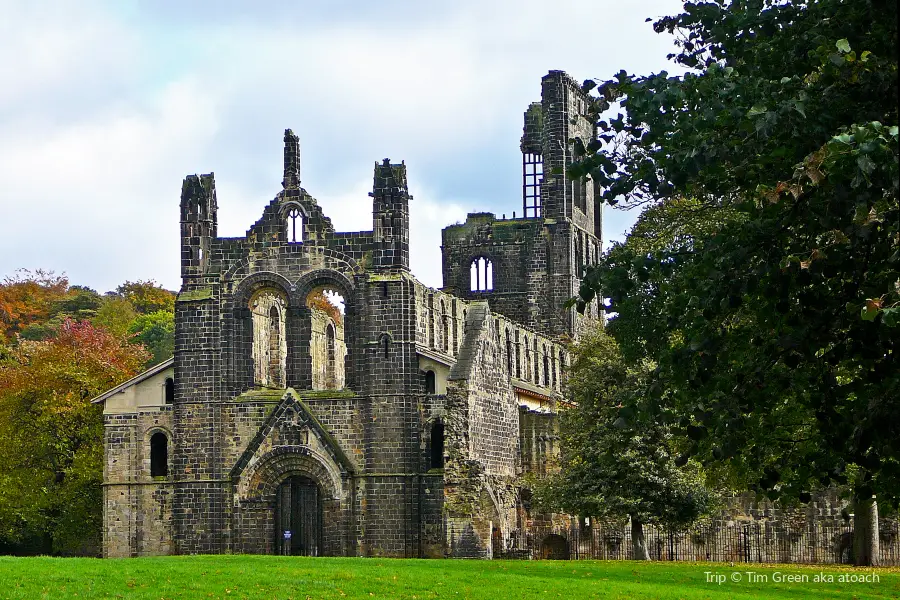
(386, 345)
(430, 384)
(546, 368)
(294, 225)
(481, 275)
(527, 360)
(509, 354)
(445, 329)
(170, 390)
(159, 455)
(437, 446)
(330, 359)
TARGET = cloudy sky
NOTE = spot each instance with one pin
(106, 106)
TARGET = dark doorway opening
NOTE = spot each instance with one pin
(298, 517)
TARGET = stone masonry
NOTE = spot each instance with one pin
(396, 420)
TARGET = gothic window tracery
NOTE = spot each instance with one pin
(294, 225)
(481, 275)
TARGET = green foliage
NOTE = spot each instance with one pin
(146, 296)
(156, 331)
(115, 314)
(774, 332)
(608, 467)
(51, 435)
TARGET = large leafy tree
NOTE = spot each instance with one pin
(609, 470)
(156, 331)
(51, 437)
(775, 334)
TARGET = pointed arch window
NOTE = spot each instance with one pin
(546, 367)
(430, 382)
(330, 357)
(509, 354)
(268, 308)
(481, 275)
(445, 329)
(294, 225)
(159, 455)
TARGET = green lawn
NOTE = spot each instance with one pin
(300, 578)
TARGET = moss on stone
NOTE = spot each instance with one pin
(203, 293)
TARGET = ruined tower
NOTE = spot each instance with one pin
(527, 267)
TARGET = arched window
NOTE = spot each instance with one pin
(429, 382)
(537, 363)
(481, 275)
(509, 354)
(518, 358)
(331, 361)
(445, 329)
(294, 225)
(546, 367)
(269, 352)
(159, 455)
(170, 390)
(275, 338)
(327, 345)
(437, 446)
(527, 360)
(386, 344)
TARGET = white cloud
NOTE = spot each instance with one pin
(102, 115)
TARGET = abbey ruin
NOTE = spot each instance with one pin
(323, 401)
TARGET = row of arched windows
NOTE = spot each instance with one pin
(268, 309)
(540, 361)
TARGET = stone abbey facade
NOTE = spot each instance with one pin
(323, 401)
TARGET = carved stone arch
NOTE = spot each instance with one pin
(252, 283)
(261, 480)
(313, 279)
(287, 205)
(308, 374)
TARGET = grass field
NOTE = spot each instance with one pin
(235, 577)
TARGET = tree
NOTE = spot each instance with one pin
(775, 336)
(51, 436)
(116, 314)
(28, 297)
(156, 331)
(609, 470)
(147, 297)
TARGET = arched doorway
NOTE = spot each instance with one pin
(298, 517)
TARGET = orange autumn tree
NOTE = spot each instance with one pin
(51, 436)
(28, 297)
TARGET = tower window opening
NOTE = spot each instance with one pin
(430, 383)
(386, 345)
(481, 275)
(532, 176)
(169, 391)
(159, 455)
(294, 225)
(437, 446)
